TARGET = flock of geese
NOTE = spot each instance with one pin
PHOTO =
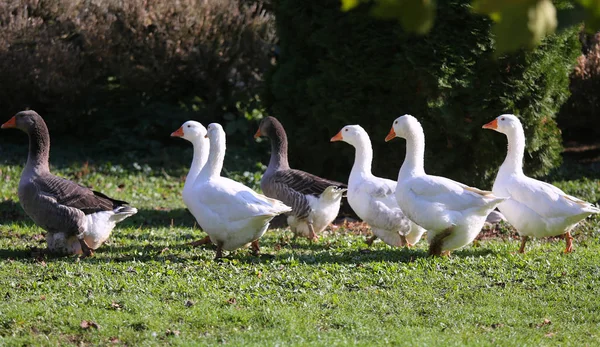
(78, 220)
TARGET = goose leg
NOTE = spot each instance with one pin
(523, 242)
(370, 240)
(569, 240)
(404, 242)
(200, 242)
(219, 253)
(85, 249)
(435, 247)
(311, 233)
(255, 248)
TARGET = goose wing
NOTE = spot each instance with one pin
(73, 195)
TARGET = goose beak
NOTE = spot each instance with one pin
(391, 135)
(258, 134)
(11, 123)
(337, 137)
(176, 133)
(491, 125)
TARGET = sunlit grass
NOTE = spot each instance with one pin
(146, 286)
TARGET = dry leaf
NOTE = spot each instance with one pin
(87, 324)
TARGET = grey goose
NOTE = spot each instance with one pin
(77, 219)
(312, 210)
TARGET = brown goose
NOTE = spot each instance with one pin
(77, 219)
(312, 210)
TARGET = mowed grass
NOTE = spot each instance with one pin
(146, 286)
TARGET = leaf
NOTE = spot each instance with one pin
(414, 15)
(592, 14)
(490, 7)
(519, 23)
(87, 324)
(347, 5)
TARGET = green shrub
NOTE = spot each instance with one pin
(579, 117)
(339, 68)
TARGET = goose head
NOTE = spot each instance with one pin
(267, 127)
(505, 123)
(24, 120)
(405, 126)
(214, 131)
(350, 134)
(333, 193)
(190, 130)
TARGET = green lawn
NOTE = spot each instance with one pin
(147, 287)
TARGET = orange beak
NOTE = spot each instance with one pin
(258, 134)
(391, 135)
(491, 125)
(178, 132)
(11, 123)
(337, 137)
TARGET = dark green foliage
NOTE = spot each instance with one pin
(579, 118)
(340, 68)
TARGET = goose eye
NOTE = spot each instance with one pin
(189, 126)
(502, 118)
(396, 122)
(346, 129)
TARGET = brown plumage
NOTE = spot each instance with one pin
(59, 205)
(281, 182)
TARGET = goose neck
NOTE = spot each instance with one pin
(279, 149)
(200, 146)
(513, 163)
(39, 148)
(363, 158)
(216, 155)
(414, 158)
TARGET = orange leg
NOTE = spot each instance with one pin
(370, 240)
(85, 249)
(312, 235)
(523, 242)
(255, 248)
(404, 242)
(200, 242)
(569, 240)
(435, 247)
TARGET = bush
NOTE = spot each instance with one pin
(339, 68)
(91, 66)
(579, 115)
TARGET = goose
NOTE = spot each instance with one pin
(372, 197)
(298, 189)
(451, 212)
(232, 214)
(195, 133)
(77, 219)
(535, 208)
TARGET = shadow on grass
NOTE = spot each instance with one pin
(144, 245)
(11, 212)
(160, 218)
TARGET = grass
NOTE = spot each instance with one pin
(147, 287)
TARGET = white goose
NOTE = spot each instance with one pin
(453, 213)
(372, 198)
(535, 208)
(232, 214)
(195, 133)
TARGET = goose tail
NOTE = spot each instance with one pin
(122, 212)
